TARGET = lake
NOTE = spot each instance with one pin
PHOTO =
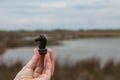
(73, 50)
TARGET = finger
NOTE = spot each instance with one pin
(48, 66)
(34, 60)
(40, 66)
(52, 59)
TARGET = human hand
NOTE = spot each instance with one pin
(36, 68)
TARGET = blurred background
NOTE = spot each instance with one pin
(83, 34)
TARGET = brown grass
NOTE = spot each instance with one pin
(9, 72)
(2, 47)
(89, 69)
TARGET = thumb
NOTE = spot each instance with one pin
(34, 60)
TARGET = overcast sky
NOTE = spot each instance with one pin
(62, 14)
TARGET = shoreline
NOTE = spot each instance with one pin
(26, 38)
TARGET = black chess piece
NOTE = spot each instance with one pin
(42, 42)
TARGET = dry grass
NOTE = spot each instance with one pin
(89, 69)
(2, 47)
(9, 72)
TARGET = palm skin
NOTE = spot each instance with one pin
(40, 67)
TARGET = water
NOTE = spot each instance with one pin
(104, 49)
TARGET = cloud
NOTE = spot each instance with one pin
(53, 5)
(57, 4)
(56, 13)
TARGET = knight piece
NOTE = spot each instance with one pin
(42, 42)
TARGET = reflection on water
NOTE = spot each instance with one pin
(73, 49)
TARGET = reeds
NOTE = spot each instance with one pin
(9, 72)
(2, 47)
(89, 69)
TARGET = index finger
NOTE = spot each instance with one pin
(34, 60)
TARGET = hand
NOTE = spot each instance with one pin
(36, 68)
